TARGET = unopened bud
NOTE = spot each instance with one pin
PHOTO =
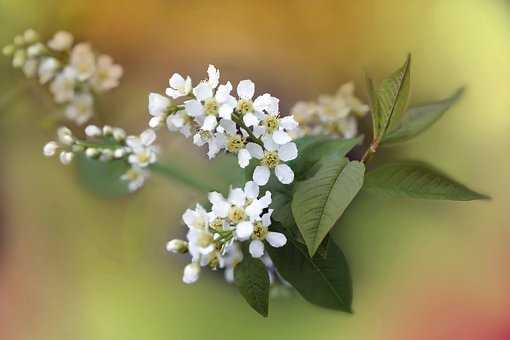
(177, 246)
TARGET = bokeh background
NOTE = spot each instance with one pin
(78, 266)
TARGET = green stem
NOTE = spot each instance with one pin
(239, 121)
(172, 172)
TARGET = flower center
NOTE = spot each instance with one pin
(244, 106)
(204, 135)
(236, 214)
(214, 262)
(235, 143)
(271, 123)
(217, 224)
(270, 159)
(132, 175)
(204, 240)
(259, 231)
(143, 157)
(211, 107)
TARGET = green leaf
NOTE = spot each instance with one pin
(390, 100)
(419, 118)
(312, 152)
(102, 178)
(319, 202)
(323, 280)
(417, 180)
(252, 280)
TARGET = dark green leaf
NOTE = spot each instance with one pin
(322, 280)
(102, 178)
(390, 100)
(419, 118)
(319, 202)
(417, 180)
(252, 280)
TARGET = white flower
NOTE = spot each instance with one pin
(50, 148)
(93, 131)
(47, 69)
(81, 108)
(83, 61)
(19, 58)
(66, 157)
(233, 256)
(252, 111)
(35, 50)
(271, 158)
(261, 233)
(65, 136)
(179, 121)
(30, 68)
(346, 92)
(158, 108)
(191, 273)
(107, 74)
(197, 218)
(177, 246)
(135, 177)
(234, 206)
(276, 127)
(179, 86)
(143, 152)
(211, 104)
(30, 36)
(63, 85)
(61, 41)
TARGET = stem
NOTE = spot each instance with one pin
(237, 119)
(173, 172)
(372, 149)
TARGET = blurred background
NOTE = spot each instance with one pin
(75, 265)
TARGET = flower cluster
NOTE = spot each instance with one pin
(107, 144)
(75, 73)
(248, 126)
(330, 114)
(214, 237)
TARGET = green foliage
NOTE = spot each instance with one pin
(419, 118)
(102, 178)
(319, 201)
(417, 180)
(252, 280)
(389, 100)
(323, 279)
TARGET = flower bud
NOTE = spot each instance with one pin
(50, 149)
(119, 153)
(19, 40)
(93, 131)
(66, 157)
(91, 152)
(35, 50)
(19, 58)
(177, 246)
(30, 36)
(107, 130)
(191, 272)
(119, 134)
(65, 136)
(106, 155)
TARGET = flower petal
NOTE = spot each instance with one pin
(284, 174)
(251, 189)
(281, 137)
(246, 89)
(288, 152)
(191, 272)
(203, 91)
(243, 157)
(244, 230)
(256, 248)
(148, 137)
(158, 104)
(214, 76)
(275, 239)
(194, 108)
(210, 123)
(266, 218)
(261, 175)
(255, 150)
(237, 197)
(176, 81)
(250, 119)
(288, 123)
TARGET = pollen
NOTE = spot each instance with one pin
(270, 159)
(235, 143)
(259, 231)
(236, 214)
(244, 106)
(271, 123)
(211, 107)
